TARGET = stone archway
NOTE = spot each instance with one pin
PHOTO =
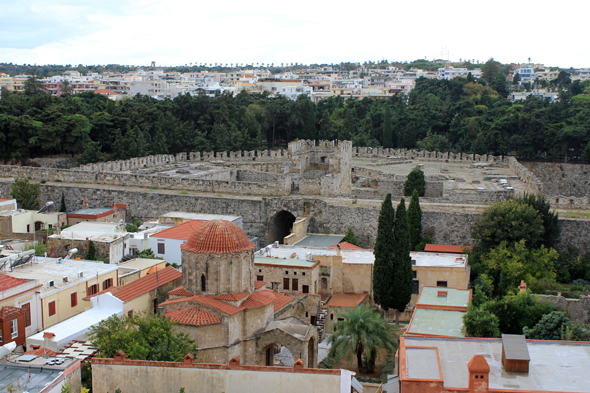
(280, 226)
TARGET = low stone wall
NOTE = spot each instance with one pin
(253, 176)
(310, 186)
(526, 176)
(560, 178)
(569, 202)
(433, 189)
(578, 309)
(60, 163)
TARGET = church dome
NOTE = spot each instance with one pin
(218, 237)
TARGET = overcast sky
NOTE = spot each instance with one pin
(174, 32)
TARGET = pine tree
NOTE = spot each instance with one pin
(62, 205)
(350, 237)
(387, 129)
(91, 253)
(382, 269)
(415, 221)
(402, 282)
(415, 181)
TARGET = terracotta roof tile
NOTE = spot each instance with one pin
(194, 317)
(280, 300)
(446, 248)
(259, 284)
(218, 237)
(231, 296)
(181, 231)
(259, 299)
(7, 282)
(42, 351)
(154, 269)
(346, 299)
(180, 291)
(346, 246)
(8, 312)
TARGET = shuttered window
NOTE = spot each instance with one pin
(51, 308)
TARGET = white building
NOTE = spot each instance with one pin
(166, 244)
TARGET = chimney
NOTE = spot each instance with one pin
(515, 354)
(479, 375)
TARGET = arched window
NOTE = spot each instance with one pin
(203, 283)
(324, 283)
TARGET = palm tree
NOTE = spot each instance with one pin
(66, 87)
(362, 332)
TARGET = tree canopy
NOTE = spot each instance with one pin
(350, 237)
(402, 282)
(415, 221)
(415, 181)
(26, 193)
(383, 266)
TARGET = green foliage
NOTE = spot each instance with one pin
(416, 182)
(65, 388)
(92, 153)
(480, 322)
(383, 266)
(575, 332)
(415, 221)
(551, 225)
(422, 245)
(387, 129)
(148, 253)
(141, 337)
(550, 327)
(26, 193)
(482, 290)
(62, 204)
(350, 237)
(402, 281)
(91, 253)
(388, 367)
(134, 225)
(510, 221)
(361, 332)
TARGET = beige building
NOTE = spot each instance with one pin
(65, 283)
(115, 213)
(288, 274)
(26, 224)
(227, 312)
(21, 293)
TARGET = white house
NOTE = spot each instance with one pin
(166, 244)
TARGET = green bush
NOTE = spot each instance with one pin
(416, 182)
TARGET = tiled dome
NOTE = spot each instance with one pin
(218, 237)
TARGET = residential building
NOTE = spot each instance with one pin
(114, 213)
(139, 241)
(27, 224)
(7, 204)
(111, 240)
(166, 244)
(181, 217)
(288, 274)
(21, 294)
(64, 284)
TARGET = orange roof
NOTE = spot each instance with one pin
(105, 91)
(231, 296)
(259, 284)
(346, 246)
(42, 351)
(280, 300)
(7, 199)
(446, 248)
(8, 312)
(218, 237)
(154, 269)
(193, 317)
(181, 231)
(180, 291)
(142, 285)
(7, 282)
(259, 299)
(346, 299)
(217, 304)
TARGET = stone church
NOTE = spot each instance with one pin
(226, 311)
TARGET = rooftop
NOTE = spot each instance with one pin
(346, 299)
(194, 317)
(437, 322)
(7, 282)
(218, 237)
(284, 262)
(348, 256)
(319, 240)
(432, 259)
(199, 216)
(446, 248)
(346, 246)
(555, 366)
(455, 297)
(141, 263)
(45, 270)
(34, 374)
(93, 211)
(181, 232)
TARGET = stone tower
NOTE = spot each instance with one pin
(218, 259)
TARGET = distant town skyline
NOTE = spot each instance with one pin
(174, 33)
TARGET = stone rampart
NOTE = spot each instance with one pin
(560, 178)
(526, 176)
(578, 309)
(569, 202)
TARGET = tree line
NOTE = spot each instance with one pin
(461, 115)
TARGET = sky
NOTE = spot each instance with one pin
(175, 32)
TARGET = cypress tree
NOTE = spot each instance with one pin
(402, 281)
(382, 269)
(350, 237)
(415, 181)
(62, 205)
(387, 129)
(91, 253)
(415, 221)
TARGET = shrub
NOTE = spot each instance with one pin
(416, 182)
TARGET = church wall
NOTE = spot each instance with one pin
(357, 277)
(254, 320)
(303, 306)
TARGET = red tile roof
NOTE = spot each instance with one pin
(280, 300)
(142, 285)
(194, 317)
(105, 91)
(217, 304)
(181, 231)
(259, 284)
(346, 299)
(7, 199)
(446, 248)
(259, 299)
(180, 291)
(7, 282)
(346, 246)
(231, 296)
(42, 351)
(154, 269)
(9, 312)
(218, 237)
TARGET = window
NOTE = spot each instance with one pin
(414, 274)
(295, 286)
(74, 299)
(286, 272)
(93, 289)
(275, 286)
(416, 289)
(306, 314)
(51, 306)
(294, 273)
(203, 283)
(441, 284)
(14, 328)
(259, 278)
(303, 274)
(331, 317)
(161, 248)
(286, 284)
(107, 283)
(130, 314)
(27, 308)
(305, 288)
(28, 228)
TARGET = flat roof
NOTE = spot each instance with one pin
(437, 322)
(422, 363)
(47, 269)
(284, 262)
(348, 256)
(35, 375)
(555, 366)
(320, 240)
(199, 216)
(95, 228)
(455, 297)
(141, 263)
(93, 211)
(434, 259)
